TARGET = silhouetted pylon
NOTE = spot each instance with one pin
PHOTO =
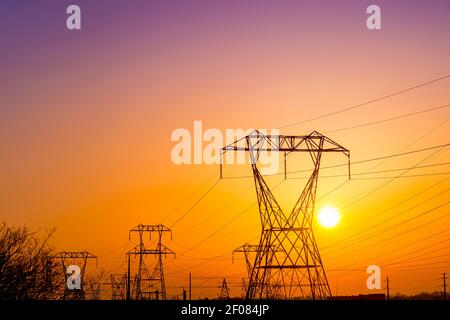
(287, 260)
(148, 285)
(118, 286)
(224, 293)
(243, 288)
(74, 268)
(247, 248)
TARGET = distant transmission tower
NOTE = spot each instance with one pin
(224, 293)
(93, 288)
(246, 249)
(78, 259)
(118, 286)
(148, 286)
(243, 288)
(271, 291)
(295, 266)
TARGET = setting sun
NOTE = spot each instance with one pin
(328, 217)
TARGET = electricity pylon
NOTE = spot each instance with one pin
(118, 286)
(73, 291)
(148, 285)
(271, 291)
(295, 265)
(243, 288)
(224, 293)
(246, 249)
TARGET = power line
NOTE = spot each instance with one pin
(418, 269)
(377, 233)
(414, 266)
(420, 259)
(378, 178)
(402, 153)
(401, 169)
(405, 148)
(352, 237)
(395, 205)
(361, 161)
(217, 211)
(232, 221)
(435, 263)
(224, 226)
(354, 162)
(405, 246)
(365, 103)
(389, 119)
(393, 178)
(399, 234)
(218, 230)
(195, 204)
(204, 262)
(421, 249)
(413, 143)
(188, 198)
(240, 195)
(322, 116)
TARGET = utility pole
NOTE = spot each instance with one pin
(444, 279)
(128, 279)
(387, 288)
(190, 286)
(295, 267)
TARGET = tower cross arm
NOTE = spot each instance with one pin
(137, 250)
(314, 142)
(150, 228)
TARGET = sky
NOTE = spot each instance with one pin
(86, 119)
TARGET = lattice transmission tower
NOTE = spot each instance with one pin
(224, 291)
(271, 291)
(118, 286)
(287, 256)
(243, 288)
(68, 260)
(148, 285)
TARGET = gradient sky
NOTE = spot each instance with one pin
(86, 118)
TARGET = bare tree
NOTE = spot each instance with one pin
(26, 270)
(94, 286)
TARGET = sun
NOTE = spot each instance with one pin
(328, 217)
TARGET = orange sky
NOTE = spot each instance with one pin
(86, 122)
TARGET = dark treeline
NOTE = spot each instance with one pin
(26, 270)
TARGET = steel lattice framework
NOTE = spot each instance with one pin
(246, 249)
(224, 293)
(118, 286)
(148, 285)
(80, 259)
(287, 263)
